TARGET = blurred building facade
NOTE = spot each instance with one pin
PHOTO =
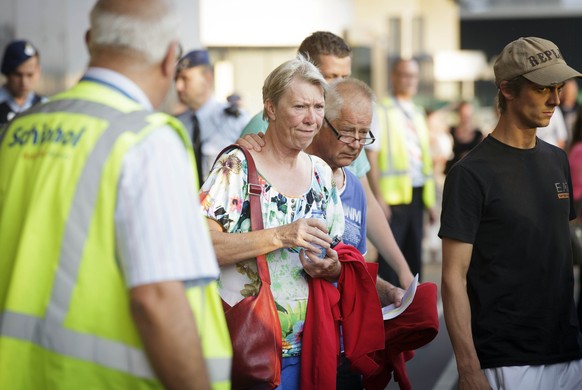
(378, 31)
(247, 39)
(455, 41)
(57, 28)
(488, 25)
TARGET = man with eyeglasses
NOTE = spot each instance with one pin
(338, 147)
(343, 134)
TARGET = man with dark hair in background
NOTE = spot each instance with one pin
(330, 53)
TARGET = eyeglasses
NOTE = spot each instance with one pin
(348, 139)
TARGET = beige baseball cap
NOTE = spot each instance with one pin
(536, 59)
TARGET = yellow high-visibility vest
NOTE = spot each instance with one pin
(65, 320)
(393, 160)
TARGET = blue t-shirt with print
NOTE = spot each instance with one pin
(353, 200)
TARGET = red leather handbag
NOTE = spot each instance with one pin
(254, 326)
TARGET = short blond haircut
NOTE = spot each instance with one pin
(279, 79)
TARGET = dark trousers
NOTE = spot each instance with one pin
(346, 378)
(580, 299)
(407, 226)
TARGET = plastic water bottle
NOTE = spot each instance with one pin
(318, 214)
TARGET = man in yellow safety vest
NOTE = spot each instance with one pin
(107, 273)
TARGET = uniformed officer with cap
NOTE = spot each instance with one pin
(212, 124)
(21, 67)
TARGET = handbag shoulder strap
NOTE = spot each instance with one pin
(256, 215)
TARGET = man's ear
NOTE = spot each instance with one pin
(170, 58)
(507, 93)
(209, 76)
(88, 40)
(270, 109)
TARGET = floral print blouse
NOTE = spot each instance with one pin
(224, 198)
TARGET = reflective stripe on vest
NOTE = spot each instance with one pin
(49, 332)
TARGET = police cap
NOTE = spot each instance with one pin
(15, 54)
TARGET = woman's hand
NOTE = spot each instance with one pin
(307, 233)
(328, 268)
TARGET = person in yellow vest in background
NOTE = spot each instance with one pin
(107, 272)
(401, 173)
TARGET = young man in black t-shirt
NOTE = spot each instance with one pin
(507, 261)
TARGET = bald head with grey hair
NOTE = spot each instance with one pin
(142, 27)
(347, 91)
(138, 39)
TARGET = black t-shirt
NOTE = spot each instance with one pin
(514, 205)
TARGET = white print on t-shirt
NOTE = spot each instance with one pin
(562, 190)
